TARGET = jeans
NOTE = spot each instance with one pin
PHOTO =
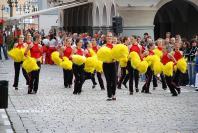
(4, 51)
(191, 72)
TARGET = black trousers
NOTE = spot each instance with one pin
(79, 78)
(171, 85)
(100, 80)
(34, 78)
(164, 86)
(67, 77)
(17, 66)
(111, 78)
(91, 76)
(133, 73)
(122, 77)
(126, 79)
(177, 77)
(148, 75)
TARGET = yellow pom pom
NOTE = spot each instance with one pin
(66, 64)
(168, 69)
(135, 59)
(182, 65)
(17, 54)
(78, 59)
(104, 54)
(120, 51)
(90, 64)
(158, 52)
(123, 62)
(98, 66)
(149, 59)
(92, 52)
(157, 67)
(55, 56)
(29, 64)
(142, 67)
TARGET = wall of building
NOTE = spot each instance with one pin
(47, 21)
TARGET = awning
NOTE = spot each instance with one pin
(47, 10)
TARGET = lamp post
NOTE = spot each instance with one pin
(2, 9)
(11, 4)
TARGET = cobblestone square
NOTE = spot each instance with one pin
(54, 109)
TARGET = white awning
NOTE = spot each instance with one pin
(47, 10)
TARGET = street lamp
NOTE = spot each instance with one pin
(2, 9)
(11, 4)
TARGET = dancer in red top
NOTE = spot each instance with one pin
(36, 52)
(17, 65)
(78, 70)
(167, 57)
(109, 69)
(67, 51)
(149, 73)
(164, 86)
(133, 73)
(177, 55)
(95, 47)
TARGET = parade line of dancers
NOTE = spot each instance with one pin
(156, 61)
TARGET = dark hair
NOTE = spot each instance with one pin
(146, 34)
(78, 40)
(192, 41)
(124, 39)
(134, 36)
(150, 45)
(36, 37)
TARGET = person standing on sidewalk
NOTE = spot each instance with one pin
(36, 53)
(3, 46)
(17, 65)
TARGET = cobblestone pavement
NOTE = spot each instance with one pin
(54, 109)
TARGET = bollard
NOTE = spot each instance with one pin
(3, 94)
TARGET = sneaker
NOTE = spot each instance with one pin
(109, 99)
(192, 86)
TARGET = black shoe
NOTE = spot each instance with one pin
(70, 86)
(164, 88)
(95, 83)
(125, 85)
(196, 89)
(119, 87)
(137, 90)
(154, 88)
(143, 91)
(114, 98)
(94, 86)
(102, 89)
(75, 93)
(174, 94)
(16, 88)
(66, 86)
(131, 93)
(27, 83)
(109, 99)
(34, 92)
(178, 90)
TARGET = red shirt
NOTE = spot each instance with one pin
(20, 46)
(88, 54)
(165, 58)
(177, 55)
(160, 48)
(95, 48)
(68, 52)
(135, 48)
(79, 52)
(151, 52)
(109, 45)
(35, 51)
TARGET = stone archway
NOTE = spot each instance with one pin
(112, 13)
(177, 17)
(97, 19)
(104, 16)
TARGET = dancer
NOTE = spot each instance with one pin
(67, 52)
(36, 53)
(109, 69)
(149, 73)
(133, 73)
(168, 57)
(78, 69)
(95, 47)
(17, 65)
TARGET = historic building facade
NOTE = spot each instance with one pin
(154, 16)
